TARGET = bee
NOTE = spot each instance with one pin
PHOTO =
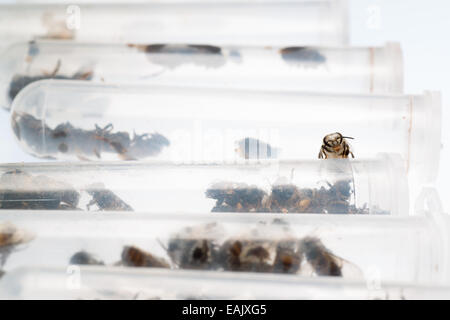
(85, 258)
(265, 248)
(196, 247)
(288, 257)
(335, 146)
(235, 197)
(30, 129)
(323, 262)
(19, 82)
(10, 237)
(144, 145)
(134, 257)
(248, 255)
(67, 139)
(302, 56)
(105, 199)
(172, 56)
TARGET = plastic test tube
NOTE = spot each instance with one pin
(293, 68)
(339, 186)
(331, 69)
(80, 120)
(219, 22)
(399, 249)
(141, 284)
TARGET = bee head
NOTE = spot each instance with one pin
(334, 139)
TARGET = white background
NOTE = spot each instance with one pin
(422, 27)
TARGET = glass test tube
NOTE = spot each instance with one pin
(331, 69)
(399, 249)
(220, 22)
(80, 120)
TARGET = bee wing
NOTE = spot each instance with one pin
(348, 269)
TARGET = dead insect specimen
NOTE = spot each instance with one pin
(195, 247)
(302, 56)
(105, 199)
(144, 145)
(288, 256)
(67, 139)
(284, 198)
(20, 81)
(323, 262)
(233, 197)
(10, 238)
(256, 251)
(175, 55)
(135, 257)
(251, 148)
(248, 255)
(31, 130)
(20, 190)
(335, 146)
(85, 258)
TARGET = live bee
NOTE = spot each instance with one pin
(335, 146)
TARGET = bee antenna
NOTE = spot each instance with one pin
(348, 137)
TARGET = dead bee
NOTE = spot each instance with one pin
(29, 129)
(251, 148)
(323, 262)
(303, 56)
(67, 139)
(19, 82)
(135, 257)
(85, 258)
(288, 256)
(248, 255)
(175, 55)
(233, 197)
(144, 145)
(256, 251)
(283, 198)
(105, 199)
(10, 238)
(194, 247)
(335, 146)
(20, 190)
